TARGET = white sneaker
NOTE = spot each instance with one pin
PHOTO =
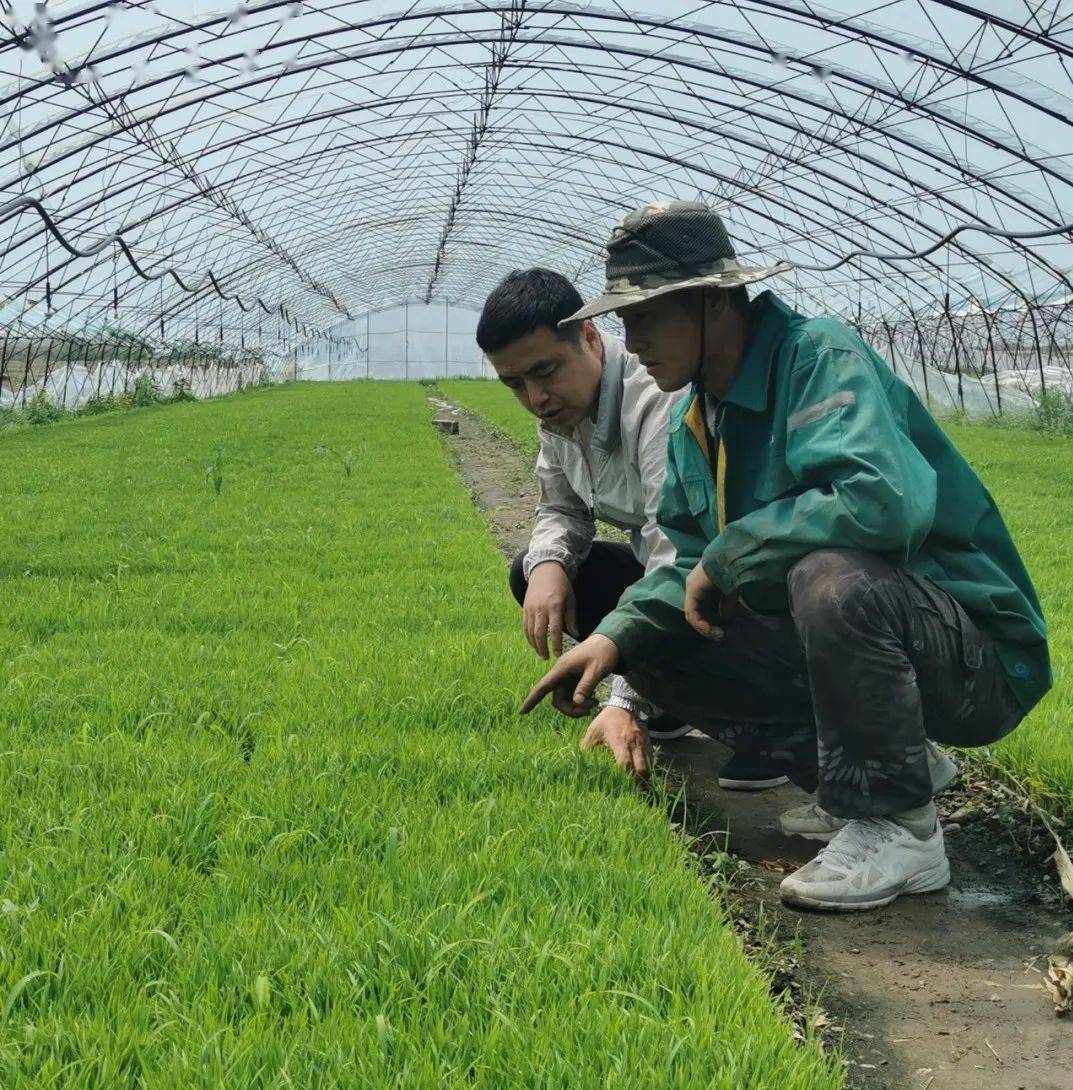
(867, 864)
(812, 822)
(943, 768)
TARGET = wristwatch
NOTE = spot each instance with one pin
(638, 710)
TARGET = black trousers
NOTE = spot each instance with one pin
(871, 661)
(600, 580)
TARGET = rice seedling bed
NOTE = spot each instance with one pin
(268, 815)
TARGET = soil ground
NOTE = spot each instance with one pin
(935, 992)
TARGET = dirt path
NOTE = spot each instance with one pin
(498, 478)
(939, 992)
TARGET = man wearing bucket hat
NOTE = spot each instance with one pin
(844, 589)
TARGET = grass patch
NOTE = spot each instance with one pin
(1029, 474)
(498, 408)
(269, 817)
(39, 410)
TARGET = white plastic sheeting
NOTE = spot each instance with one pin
(418, 341)
(976, 398)
(411, 341)
(71, 385)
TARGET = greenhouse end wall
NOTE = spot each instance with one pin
(410, 341)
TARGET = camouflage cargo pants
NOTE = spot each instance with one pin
(844, 691)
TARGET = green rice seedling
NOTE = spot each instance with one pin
(214, 471)
(350, 459)
(273, 804)
(347, 458)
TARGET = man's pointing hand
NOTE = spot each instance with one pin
(574, 678)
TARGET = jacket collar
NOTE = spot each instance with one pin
(769, 317)
(607, 432)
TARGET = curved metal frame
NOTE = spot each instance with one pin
(447, 142)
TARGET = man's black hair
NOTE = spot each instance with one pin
(524, 301)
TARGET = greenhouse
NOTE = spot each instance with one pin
(246, 183)
(270, 816)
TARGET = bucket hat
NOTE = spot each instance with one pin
(670, 246)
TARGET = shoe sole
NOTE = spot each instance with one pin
(669, 735)
(752, 785)
(927, 881)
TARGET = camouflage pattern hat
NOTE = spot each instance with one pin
(665, 247)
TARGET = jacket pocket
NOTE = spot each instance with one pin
(698, 495)
(700, 498)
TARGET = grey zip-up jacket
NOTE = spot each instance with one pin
(611, 470)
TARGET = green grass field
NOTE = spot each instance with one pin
(1031, 477)
(269, 816)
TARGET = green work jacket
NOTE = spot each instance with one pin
(820, 445)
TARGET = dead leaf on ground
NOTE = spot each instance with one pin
(1059, 984)
(1061, 858)
(1065, 868)
(819, 1019)
(1058, 980)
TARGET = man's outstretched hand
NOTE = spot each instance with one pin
(573, 679)
(704, 603)
(618, 731)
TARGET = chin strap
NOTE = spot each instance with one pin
(701, 394)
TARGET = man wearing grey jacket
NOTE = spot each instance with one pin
(603, 441)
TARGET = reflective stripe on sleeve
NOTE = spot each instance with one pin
(820, 409)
